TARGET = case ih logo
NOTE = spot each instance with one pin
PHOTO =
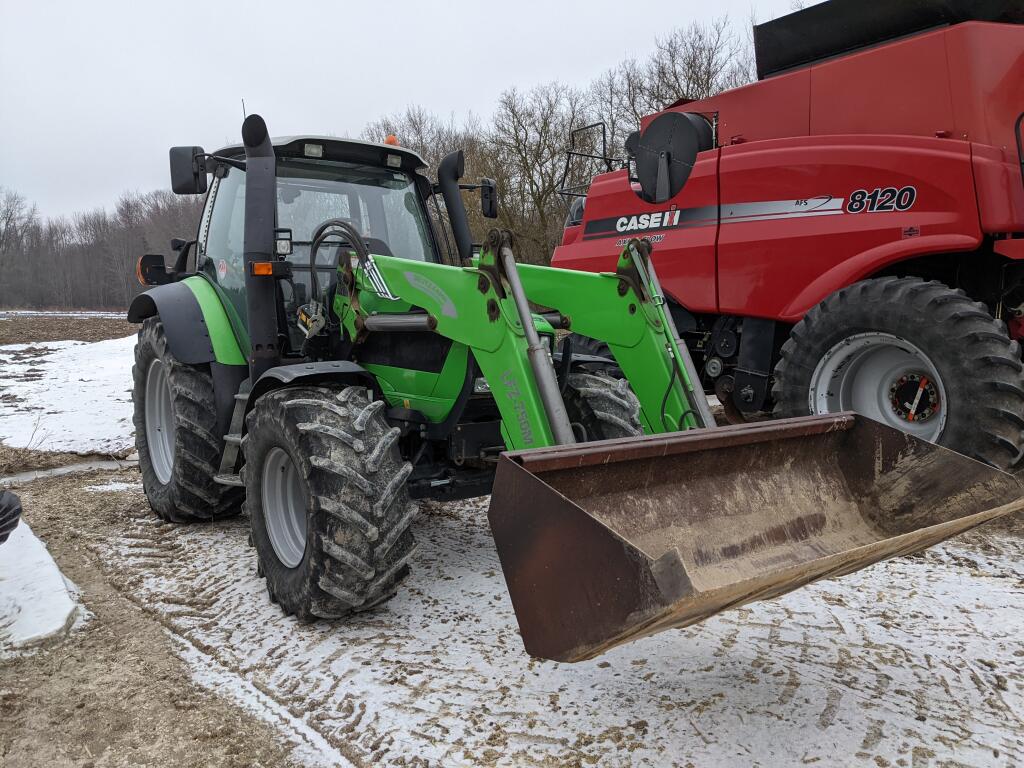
(648, 221)
(711, 215)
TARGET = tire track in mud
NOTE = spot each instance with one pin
(916, 660)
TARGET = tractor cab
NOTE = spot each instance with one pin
(379, 189)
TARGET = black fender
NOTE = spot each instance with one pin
(184, 325)
(304, 374)
(189, 341)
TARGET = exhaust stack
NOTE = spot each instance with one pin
(260, 221)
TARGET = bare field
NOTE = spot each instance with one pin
(19, 328)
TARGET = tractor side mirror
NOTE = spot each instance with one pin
(665, 154)
(188, 170)
(151, 270)
(489, 198)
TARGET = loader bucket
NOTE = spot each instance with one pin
(607, 542)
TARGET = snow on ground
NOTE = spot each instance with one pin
(113, 486)
(37, 603)
(914, 659)
(67, 396)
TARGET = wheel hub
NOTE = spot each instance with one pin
(914, 398)
(284, 507)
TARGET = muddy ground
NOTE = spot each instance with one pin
(25, 328)
(113, 693)
(914, 663)
(15, 460)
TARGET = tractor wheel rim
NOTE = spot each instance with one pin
(159, 421)
(883, 377)
(284, 507)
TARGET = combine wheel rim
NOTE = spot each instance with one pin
(861, 372)
(284, 506)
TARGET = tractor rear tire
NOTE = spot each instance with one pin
(178, 468)
(886, 342)
(585, 345)
(601, 407)
(327, 502)
(10, 512)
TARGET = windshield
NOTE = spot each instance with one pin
(383, 206)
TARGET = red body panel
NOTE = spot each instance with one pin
(933, 113)
(780, 267)
(685, 258)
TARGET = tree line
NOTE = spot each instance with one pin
(87, 260)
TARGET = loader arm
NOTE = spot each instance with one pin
(466, 308)
(469, 306)
(617, 308)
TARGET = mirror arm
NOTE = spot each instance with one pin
(230, 161)
(181, 262)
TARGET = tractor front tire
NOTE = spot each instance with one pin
(601, 407)
(175, 433)
(327, 501)
(914, 354)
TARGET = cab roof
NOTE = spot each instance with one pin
(345, 150)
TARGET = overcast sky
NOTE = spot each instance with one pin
(92, 94)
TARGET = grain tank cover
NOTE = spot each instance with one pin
(838, 27)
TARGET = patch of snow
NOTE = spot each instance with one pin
(36, 602)
(71, 397)
(113, 486)
(67, 469)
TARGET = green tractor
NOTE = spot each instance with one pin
(322, 354)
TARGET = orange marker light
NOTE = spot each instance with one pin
(263, 268)
(138, 271)
(391, 140)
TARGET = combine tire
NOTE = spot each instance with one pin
(327, 502)
(175, 419)
(913, 354)
(601, 407)
(10, 511)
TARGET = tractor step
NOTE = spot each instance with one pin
(233, 440)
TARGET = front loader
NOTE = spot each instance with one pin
(318, 356)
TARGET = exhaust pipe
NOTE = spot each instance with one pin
(451, 169)
(260, 221)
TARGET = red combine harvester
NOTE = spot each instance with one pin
(851, 236)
